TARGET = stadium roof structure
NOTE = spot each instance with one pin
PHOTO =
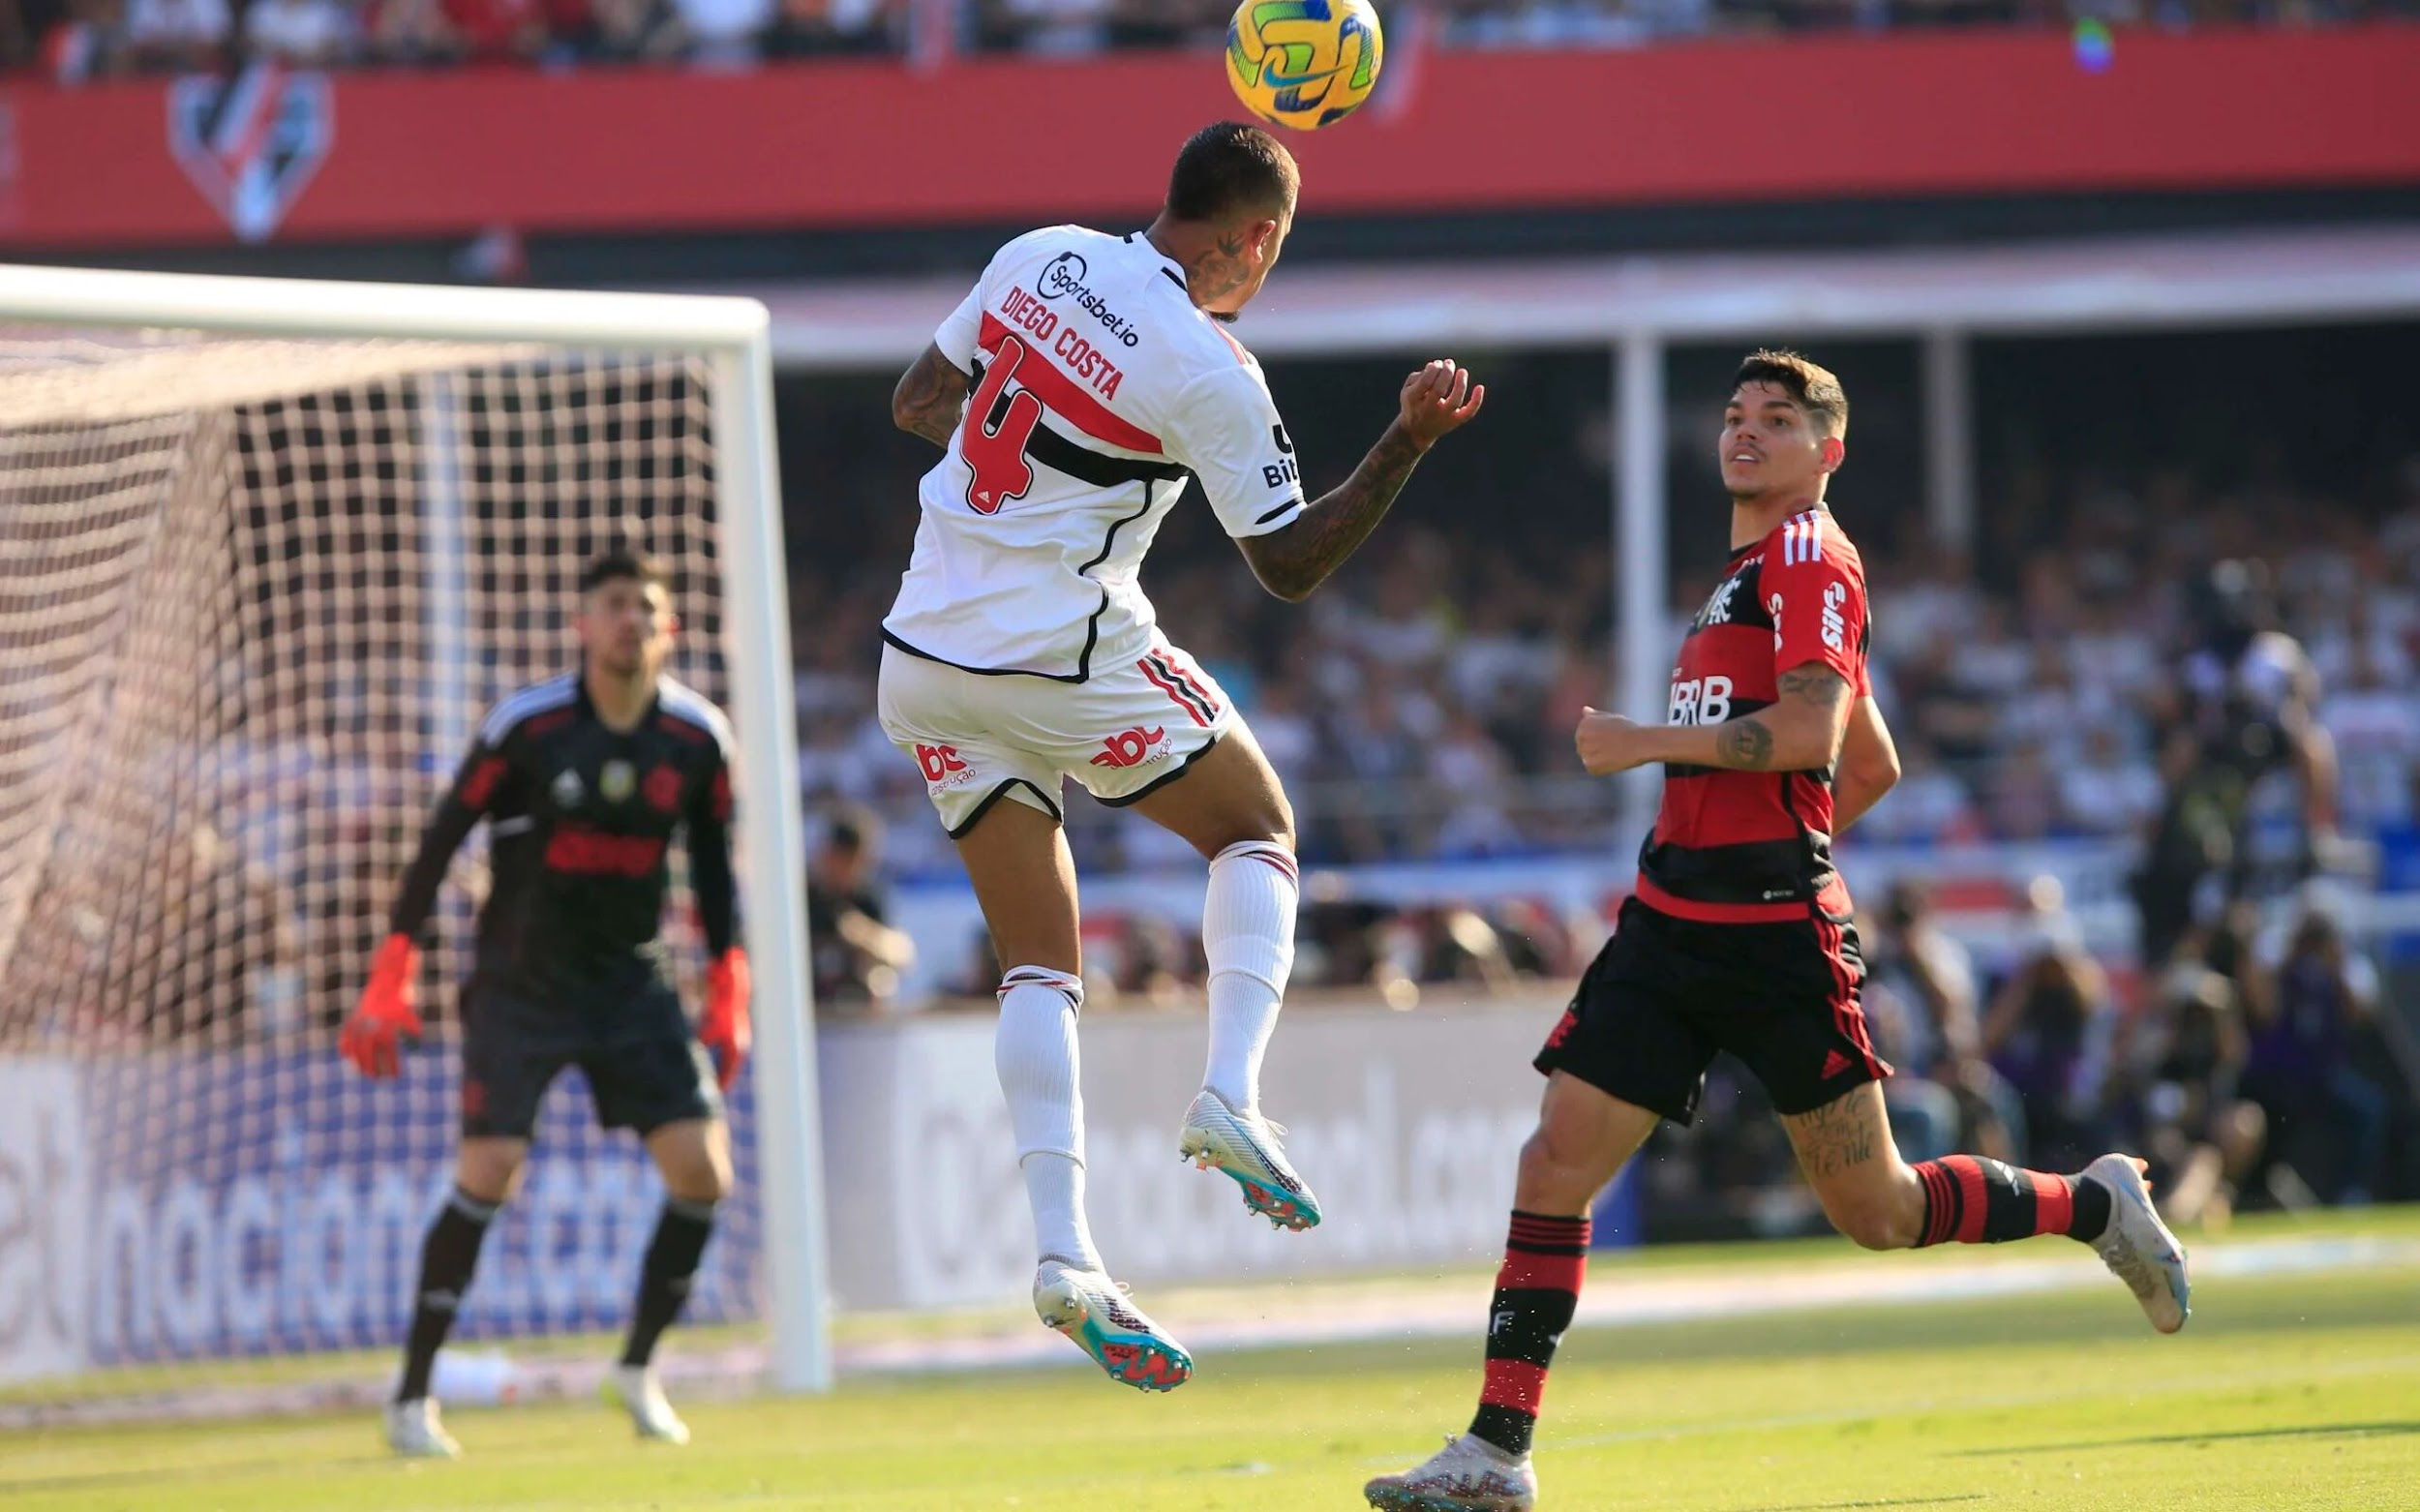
(2183, 283)
(1638, 306)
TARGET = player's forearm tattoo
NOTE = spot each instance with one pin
(1815, 683)
(1218, 271)
(1833, 1137)
(1745, 745)
(929, 397)
(1292, 561)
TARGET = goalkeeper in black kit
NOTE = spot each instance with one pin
(584, 780)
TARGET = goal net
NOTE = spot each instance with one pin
(254, 597)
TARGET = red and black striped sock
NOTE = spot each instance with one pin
(1970, 1199)
(1537, 1293)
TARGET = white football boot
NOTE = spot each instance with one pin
(1468, 1475)
(635, 1390)
(413, 1431)
(2137, 1247)
(1094, 1312)
(1217, 1136)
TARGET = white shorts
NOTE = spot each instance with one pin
(980, 738)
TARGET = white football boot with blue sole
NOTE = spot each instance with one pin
(1219, 1136)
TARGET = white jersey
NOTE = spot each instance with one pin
(1098, 387)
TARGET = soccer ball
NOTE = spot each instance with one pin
(1303, 63)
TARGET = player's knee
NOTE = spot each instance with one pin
(1555, 1176)
(1876, 1225)
(696, 1173)
(490, 1176)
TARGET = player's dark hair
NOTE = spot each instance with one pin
(1232, 170)
(1815, 389)
(616, 566)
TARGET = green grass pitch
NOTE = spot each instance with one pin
(2284, 1392)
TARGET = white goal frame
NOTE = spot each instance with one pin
(735, 335)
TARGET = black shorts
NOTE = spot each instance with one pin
(644, 1064)
(1666, 994)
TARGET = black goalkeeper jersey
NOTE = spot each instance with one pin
(581, 822)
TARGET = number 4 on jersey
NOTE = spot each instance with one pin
(995, 433)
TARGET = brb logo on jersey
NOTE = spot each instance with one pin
(1133, 747)
(1835, 628)
(1702, 700)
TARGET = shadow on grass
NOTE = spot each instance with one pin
(2309, 1430)
(117, 1478)
(1894, 1501)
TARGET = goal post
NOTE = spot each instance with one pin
(130, 404)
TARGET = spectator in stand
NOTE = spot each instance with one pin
(2049, 1033)
(857, 955)
(1920, 997)
(2327, 1119)
(2375, 726)
(411, 33)
(88, 43)
(301, 33)
(824, 28)
(723, 33)
(1048, 28)
(2203, 1139)
(633, 31)
(178, 36)
(2106, 790)
(505, 31)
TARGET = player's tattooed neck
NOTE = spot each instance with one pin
(1220, 271)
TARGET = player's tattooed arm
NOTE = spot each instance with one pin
(930, 397)
(1292, 561)
(1800, 731)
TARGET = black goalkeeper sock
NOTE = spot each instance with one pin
(672, 1260)
(447, 1259)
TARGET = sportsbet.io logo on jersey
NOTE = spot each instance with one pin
(1063, 278)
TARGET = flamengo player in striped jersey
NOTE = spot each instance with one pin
(1739, 938)
(1072, 393)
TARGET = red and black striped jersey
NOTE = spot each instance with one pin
(1751, 847)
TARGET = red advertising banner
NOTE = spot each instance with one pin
(349, 156)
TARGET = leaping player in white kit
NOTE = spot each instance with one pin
(1021, 651)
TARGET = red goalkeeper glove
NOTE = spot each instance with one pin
(385, 1015)
(723, 1029)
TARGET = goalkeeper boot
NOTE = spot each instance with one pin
(1239, 1141)
(2137, 1247)
(1468, 1475)
(413, 1431)
(635, 1390)
(1094, 1312)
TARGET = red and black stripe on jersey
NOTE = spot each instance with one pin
(1751, 847)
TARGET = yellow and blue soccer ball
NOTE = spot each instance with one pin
(1303, 63)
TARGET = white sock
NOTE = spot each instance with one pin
(1034, 1053)
(1248, 935)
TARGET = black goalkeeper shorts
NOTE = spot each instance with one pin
(644, 1064)
(1666, 994)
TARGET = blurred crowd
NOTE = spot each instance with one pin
(2257, 1067)
(1422, 708)
(77, 40)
